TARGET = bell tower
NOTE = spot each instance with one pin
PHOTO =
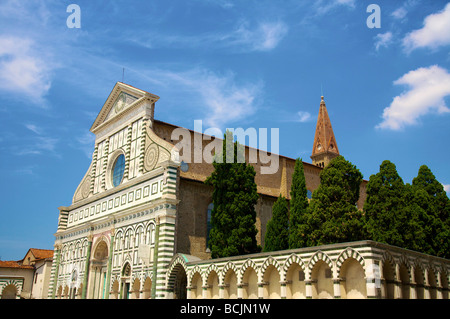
(325, 146)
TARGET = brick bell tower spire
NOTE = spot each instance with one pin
(325, 146)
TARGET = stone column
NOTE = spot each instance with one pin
(308, 288)
(426, 285)
(283, 289)
(261, 290)
(240, 293)
(155, 260)
(222, 291)
(412, 284)
(397, 283)
(337, 288)
(86, 267)
(108, 271)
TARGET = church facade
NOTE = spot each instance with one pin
(138, 225)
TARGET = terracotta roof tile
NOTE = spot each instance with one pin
(41, 253)
(13, 264)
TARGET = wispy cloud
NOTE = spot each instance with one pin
(41, 143)
(220, 97)
(86, 143)
(383, 40)
(34, 128)
(303, 117)
(264, 36)
(435, 32)
(325, 6)
(427, 88)
(399, 13)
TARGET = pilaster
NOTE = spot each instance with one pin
(86, 267)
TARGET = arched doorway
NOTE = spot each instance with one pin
(295, 287)
(9, 292)
(250, 284)
(213, 286)
(322, 284)
(178, 282)
(388, 280)
(97, 276)
(230, 289)
(126, 274)
(272, 288)
(353, 283)
(196, 287)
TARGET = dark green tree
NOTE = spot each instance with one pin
(233, 231)
(431, 208)
(277, 231)
(428, 182)
(333, 216)
(298, 207)
(386, 219)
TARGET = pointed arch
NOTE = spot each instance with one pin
(212, 267)
(247, 264)
(270, 261)
(176, 276)
(346, 254)
(229, 265)
(319, 256)
(192, 273)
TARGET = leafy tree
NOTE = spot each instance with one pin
(277, 232)
(386, 219)
(298, 207)
(233, 231)
(333, 216)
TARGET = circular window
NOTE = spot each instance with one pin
(118, 169)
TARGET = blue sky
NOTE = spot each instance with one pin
(261, 64)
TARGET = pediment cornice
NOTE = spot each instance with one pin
(104, 117)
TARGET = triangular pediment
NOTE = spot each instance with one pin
(121, 99)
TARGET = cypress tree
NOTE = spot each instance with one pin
(431, 208)
(386, 219)
(298, 207)
(233, 231)
(277, 232)
(333, 216)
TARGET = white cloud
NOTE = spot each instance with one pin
(22, 71)
(446, 187)
(435, 32)
(222, 100)
(383, 40)
(303, 116)
(217, 99)
(427, 89)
